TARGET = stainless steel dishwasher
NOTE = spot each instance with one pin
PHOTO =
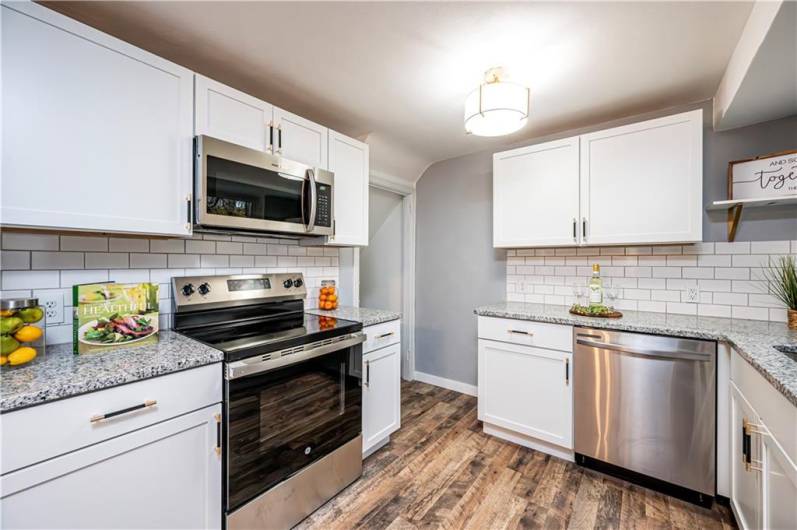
(645, 409)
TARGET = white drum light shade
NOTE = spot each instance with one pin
(496, 108)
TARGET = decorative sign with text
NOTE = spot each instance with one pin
(766, 177)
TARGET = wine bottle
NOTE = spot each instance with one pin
(596, 287)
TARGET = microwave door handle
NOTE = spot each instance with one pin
(313, 200)
(303, 195)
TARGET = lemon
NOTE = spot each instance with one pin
(3, 359)
(7, 344)
(23, 355)
(28, 334)
(31, 314)
(6, 313)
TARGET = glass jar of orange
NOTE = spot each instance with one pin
(327, 297)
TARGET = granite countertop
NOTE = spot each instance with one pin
(754, 340)
(367, 316)
(60, 374)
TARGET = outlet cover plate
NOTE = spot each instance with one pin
(692, 295)
(53, 307)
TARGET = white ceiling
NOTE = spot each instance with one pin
(397, 73)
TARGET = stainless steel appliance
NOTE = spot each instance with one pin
(242, 189)
(292, 422)
(645, 409)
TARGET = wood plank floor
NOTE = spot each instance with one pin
(441, 471)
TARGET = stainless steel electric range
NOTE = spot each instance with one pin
(292, 393)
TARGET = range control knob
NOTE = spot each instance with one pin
(287, 283)
(188, 289)
(204, 289)
(298, 282)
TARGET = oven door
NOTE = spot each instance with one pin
(281, 420)
(245, 189)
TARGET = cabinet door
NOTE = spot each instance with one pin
(300, 139)
(643, 183)
(746, 482)
(526, 390)
(535, 195)
(348, 159)
(167, 475)
(780, 487)
(230, 115)
(381, 394)
(97, 134)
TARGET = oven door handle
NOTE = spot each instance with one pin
(313, 200)
(257, 364)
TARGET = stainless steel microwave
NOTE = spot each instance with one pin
(242, 189)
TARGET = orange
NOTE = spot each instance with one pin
(332, 298)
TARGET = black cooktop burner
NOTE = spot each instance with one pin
(239, 340)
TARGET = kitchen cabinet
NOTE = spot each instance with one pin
(155, 466)
(643, 183)
(349, 160)
(381, 384)
(763, 451)
(300, 139)
(640, 183)
(519, 372)
(230, 115)
(97, 134)
(167, 475)
(535, 193)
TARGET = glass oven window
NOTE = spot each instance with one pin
(240, 190)
(283, 420)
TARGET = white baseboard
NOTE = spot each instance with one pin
(457, 386)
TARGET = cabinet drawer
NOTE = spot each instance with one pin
(524, 332)
(45, 431)
(381, 335)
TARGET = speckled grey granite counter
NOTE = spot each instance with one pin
(367, 316)
(754, 340)
(60, 373)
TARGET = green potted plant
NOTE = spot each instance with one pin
(782, 278)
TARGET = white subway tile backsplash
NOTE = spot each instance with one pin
(128, 244)
(128, 275)
(730, 298)
(200, 247)
(638, 251)
(30, 279)
(77, 277)
(14, 260)
(682, 261)
(183, 261)
(737, 247)
(697, 272)
(770, 247)
(751, 313)
(106, 260)
(732, 273)
(655, 307)
(214, 261)
(714, 285)
(666, 272)
(29, 241)
(56, 260)
(167, 246)
(714, 261)
(699, 248)
(752, 260)
(148, 261)
(242, 261)
(84, 243)
(668, 250)
(231, 247)
(682, 308)
(650, 283)
(713, 310)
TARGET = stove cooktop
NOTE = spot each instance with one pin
(240, 340)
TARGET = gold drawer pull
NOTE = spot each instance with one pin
(109, 415)
(521, 332)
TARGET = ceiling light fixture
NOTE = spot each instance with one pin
(497, 107)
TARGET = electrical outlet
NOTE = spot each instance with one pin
(53, 307)
(692, 295)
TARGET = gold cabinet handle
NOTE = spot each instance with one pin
(108, 415)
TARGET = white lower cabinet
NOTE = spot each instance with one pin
(763, 452)
(153, 466)
(381, 395)
(525, 392)
(381, 384)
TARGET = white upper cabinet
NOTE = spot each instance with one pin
(535, 195)
(348, 159)
(640, 183)
(230, 115)
(643, 183)
(97, 134)
(299, 139)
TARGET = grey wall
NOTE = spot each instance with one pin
(457, 268)
(380, 261)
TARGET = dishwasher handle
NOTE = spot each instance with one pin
(661, 354)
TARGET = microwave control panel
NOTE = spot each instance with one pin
(324, 205)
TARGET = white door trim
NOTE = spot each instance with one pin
(408, 287)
